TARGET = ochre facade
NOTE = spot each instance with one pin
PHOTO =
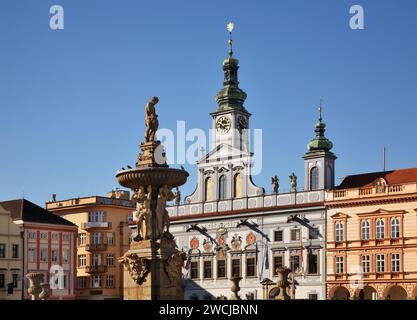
(103, 237)
(372, 237)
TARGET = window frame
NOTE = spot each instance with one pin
(380, 228)
(365, 230)
(380, 263)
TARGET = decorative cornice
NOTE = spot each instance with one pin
(370, 201)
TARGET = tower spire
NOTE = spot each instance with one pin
(230, 96)
(320, 142)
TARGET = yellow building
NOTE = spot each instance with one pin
(11, 257)
(103, 237)
(372, 236)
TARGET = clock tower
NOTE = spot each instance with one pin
(224, 173)
(231, 120)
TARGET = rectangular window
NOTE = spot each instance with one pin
(44, 255)
(97, 216)
(65, 255)
(44, 235)
(82, 260)
(96, 281)
(395, 262)
(295, 262)
(207, 269)
(2, 280)
(380, 263)
(82, 282)
(340, 265)
(96, 238)
(366, 263)
(236, 268)
(194, 270)
(64, 281)
(313, 233)
(65, 237)
(82, 237)
(54, 255)
(2, 250)
(250, 267)
(110, 282)
(110, 238)
(277, 263)
(313, 263)
(32, 255)
(15, 279)
(312, 296)
(96, 259)
(54, 236)
(15, 251)
(278, 236)
(32, 235)
(110, 259)
(221, 268)
(295, 235)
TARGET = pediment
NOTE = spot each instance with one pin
(340, 215)
(381, 211)
(223, 152)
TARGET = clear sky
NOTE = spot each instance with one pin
(72, 100)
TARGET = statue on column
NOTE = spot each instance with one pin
(151, 120)
(293, 179)
(275, 184)
(162, 217)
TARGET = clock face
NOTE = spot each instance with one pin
(241, 123)
(223, 125)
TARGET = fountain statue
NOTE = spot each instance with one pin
(152, 265)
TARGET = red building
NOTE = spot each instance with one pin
(49, 246)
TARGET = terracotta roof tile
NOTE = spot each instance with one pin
(367, 179)
(27, 211)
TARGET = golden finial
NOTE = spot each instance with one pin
(230, 27)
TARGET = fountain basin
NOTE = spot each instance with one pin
(154, 176)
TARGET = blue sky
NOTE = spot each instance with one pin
(72, 100)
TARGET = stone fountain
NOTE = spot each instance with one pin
(153, 264)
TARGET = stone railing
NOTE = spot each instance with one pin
(89, 200)
(253, 202)
(346, 194)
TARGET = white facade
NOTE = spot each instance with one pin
(229, 226)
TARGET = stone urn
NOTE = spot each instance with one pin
(235, 288)
(44, 295)
(35, 288)
(283, 284)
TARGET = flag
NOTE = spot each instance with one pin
(301, 253)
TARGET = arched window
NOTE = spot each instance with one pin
(365, 230)
(314, 178)
(208, 196)
(395, 228)
(380, 229)
(222, 188)
(237, 188)
(339, 230)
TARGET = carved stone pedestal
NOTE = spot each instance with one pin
(152, 271)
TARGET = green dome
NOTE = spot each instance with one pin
(320, 142)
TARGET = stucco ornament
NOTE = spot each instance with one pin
(137, 267)
(174, 264)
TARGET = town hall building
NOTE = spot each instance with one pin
(230, 227)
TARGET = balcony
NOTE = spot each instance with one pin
(96, 247)
(96, 269)
(96, 225)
